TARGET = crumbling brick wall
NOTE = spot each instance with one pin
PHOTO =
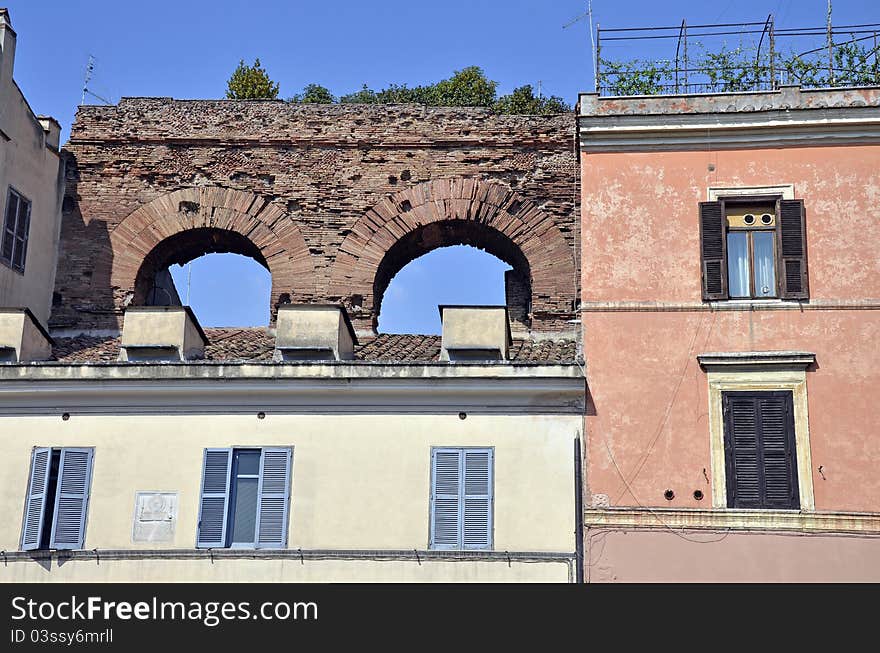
(333, 199)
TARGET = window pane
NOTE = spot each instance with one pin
(11, 211)
(248, 463)
(765, 264)
(8, 242)
(18, 255)
(245, 511)
(738, 264)
(21, 227)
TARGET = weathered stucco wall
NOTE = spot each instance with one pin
(334, 200)
(644, 322)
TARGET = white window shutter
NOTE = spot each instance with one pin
(273, 498)
(477, 499)
(445, 499)
(214, 500)
(72, 499)
(35, 508)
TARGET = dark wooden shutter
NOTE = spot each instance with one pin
(713, 250)
(759, 449)
(214, 500)
(793, 250)
(72, 499)
(273, 498)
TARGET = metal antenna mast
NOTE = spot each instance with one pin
(90, 67)
(589, 16)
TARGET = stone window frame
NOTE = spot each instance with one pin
(759, 371)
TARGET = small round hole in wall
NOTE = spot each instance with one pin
(748, 218)
(698, 495)
(65, 416)
(669, 494)
(766, 218)
(462, 415)
(261, 415)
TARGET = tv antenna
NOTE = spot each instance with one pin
(90, 68)
(588, 14)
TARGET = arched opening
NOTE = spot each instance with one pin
(220, 273)
(473, 264)
(459, 274)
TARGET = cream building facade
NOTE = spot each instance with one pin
(361, 435)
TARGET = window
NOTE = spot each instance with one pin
(461, 498)
(245, 497)
(759, 449)
(15, 231)
(753, 248)
(57, 499)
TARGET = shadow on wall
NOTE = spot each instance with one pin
(88, 260)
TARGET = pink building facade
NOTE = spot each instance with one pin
(730, 293)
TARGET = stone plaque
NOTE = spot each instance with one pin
(155, 514)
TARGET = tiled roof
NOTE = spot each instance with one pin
(257, 344)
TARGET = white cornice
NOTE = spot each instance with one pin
(736, 520)
(720, 131)
(787, 117)
(523, 395)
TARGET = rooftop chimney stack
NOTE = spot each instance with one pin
(52, 130)
(474, 333)
(7, 47)
(313, 332)
(161, 334)
(22, 338)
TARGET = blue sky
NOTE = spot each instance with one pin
(187, 49)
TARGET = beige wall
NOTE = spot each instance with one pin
(359, 482)
(34, 170)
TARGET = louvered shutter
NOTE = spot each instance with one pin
(477, 499)
(214, 500)
(760, 450)
(273, 498)
(71, 499)
(778, 450)
(35, 508)
(742, 454)
(446, 499)
(713, 250)
(793, 250)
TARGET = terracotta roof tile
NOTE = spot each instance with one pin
(256, 344)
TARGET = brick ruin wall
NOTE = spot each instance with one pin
(333, 199)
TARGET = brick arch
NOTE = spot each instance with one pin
(253, 225)
(455, 211)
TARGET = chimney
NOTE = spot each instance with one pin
(313, 332)
(52, 130)
(474, 333)
(161, 334)
(22, 337)
(7, 47)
